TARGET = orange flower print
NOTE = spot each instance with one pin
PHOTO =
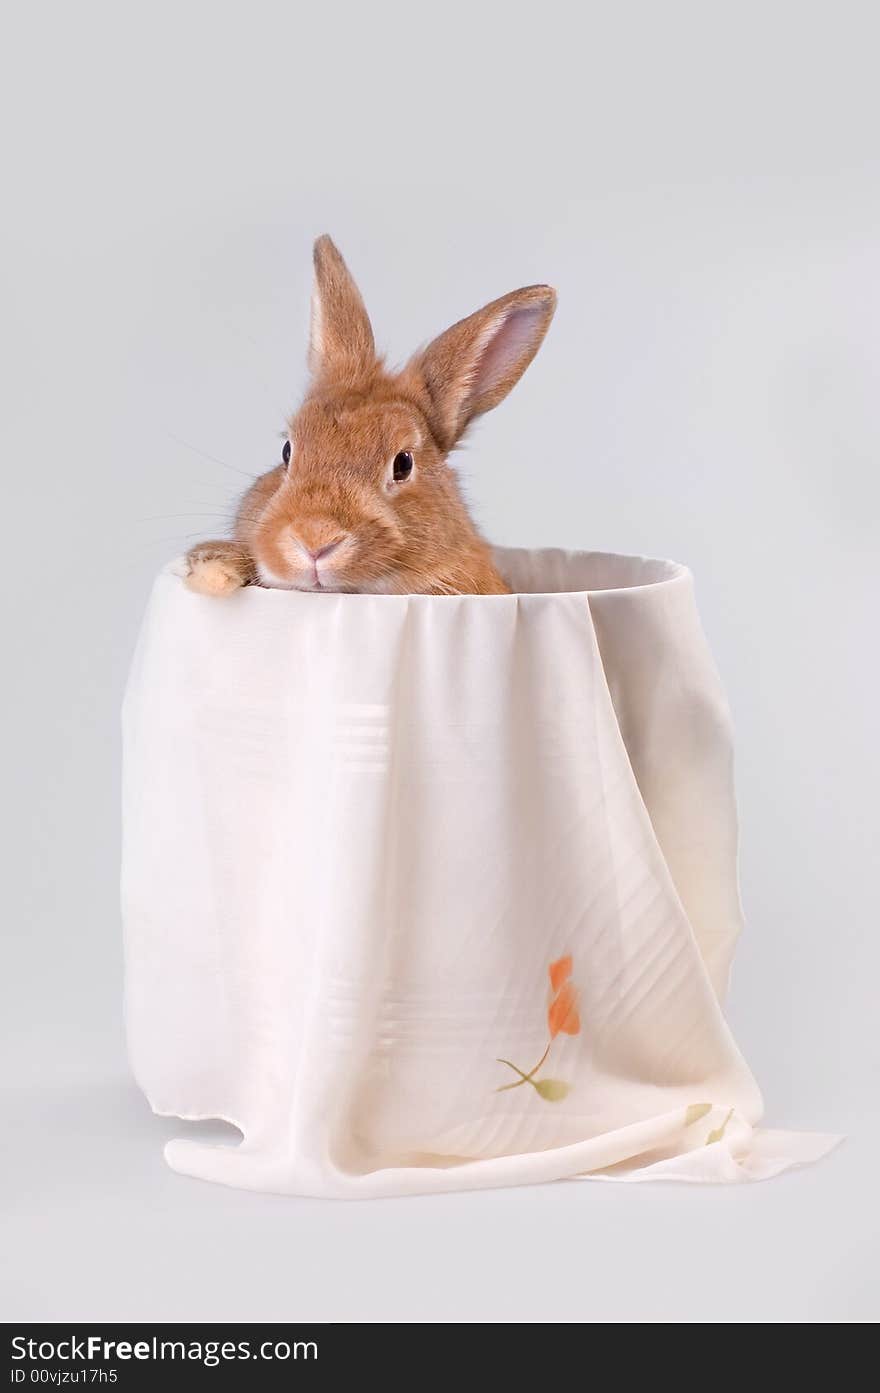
(563, 1018)
(560, 971)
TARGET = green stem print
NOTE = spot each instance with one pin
(718, 1132)
(523, 1078)
(698, 1110)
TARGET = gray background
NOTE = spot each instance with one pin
(700, 181)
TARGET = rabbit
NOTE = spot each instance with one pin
(363, 499)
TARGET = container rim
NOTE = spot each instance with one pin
(534, 572)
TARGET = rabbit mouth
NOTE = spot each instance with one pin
(307, 584)
(326, 583)
(319, 580)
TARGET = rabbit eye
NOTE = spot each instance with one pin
(285, 453)
(402, 467)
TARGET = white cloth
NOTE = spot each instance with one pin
(359, 831)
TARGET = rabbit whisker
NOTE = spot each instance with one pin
(213, 458)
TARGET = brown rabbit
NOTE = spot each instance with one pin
(364, 499)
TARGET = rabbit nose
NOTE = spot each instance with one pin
(326, 549)
(317, 544)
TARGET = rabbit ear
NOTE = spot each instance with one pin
(473, 366)
(341, 340)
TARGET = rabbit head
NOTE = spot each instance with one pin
(364, 498)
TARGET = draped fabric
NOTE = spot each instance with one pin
(433, 893)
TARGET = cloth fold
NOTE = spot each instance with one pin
(432, 893)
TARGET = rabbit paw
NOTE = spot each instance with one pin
(214, 569)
